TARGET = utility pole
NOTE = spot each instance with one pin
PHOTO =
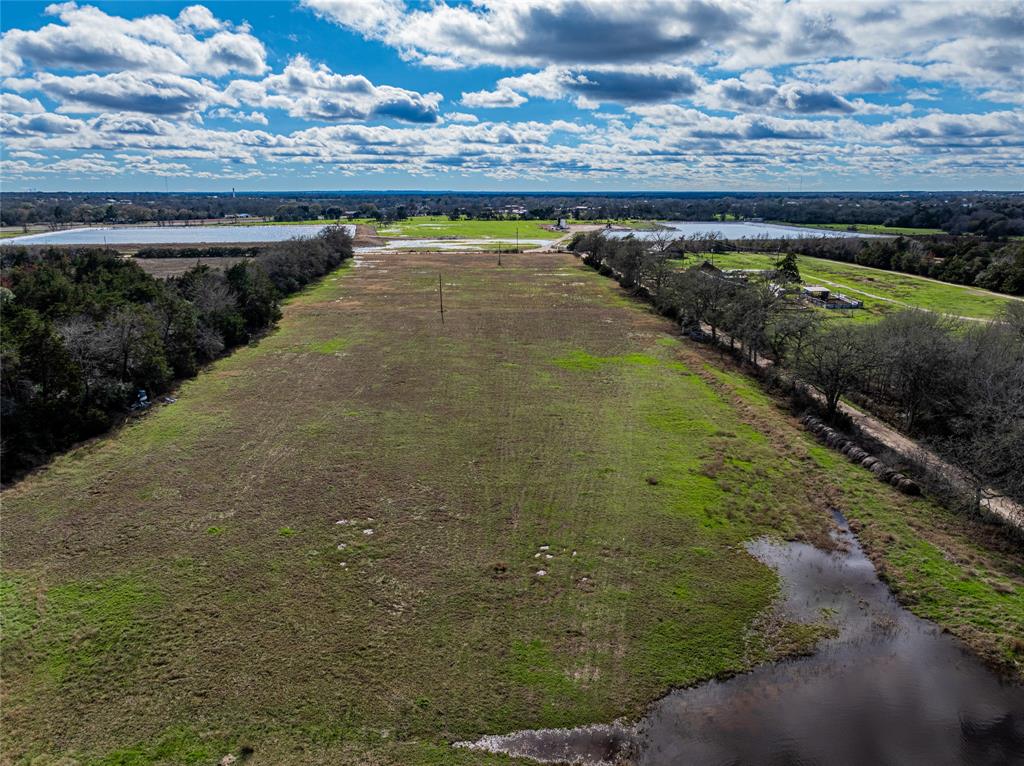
(517, 239)
(440, 296)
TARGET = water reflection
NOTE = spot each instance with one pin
(169, 235)
(889, 688)
(735, 230)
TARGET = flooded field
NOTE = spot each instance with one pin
(736, 230)
(888, 688)
(169, 235)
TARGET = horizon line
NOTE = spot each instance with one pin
(563, 193)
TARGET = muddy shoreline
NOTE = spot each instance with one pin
(888, 687)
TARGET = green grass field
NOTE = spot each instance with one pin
(881, 291)
(435, 227)
(870, 228)
(330, 549)
(632, 223)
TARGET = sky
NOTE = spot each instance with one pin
(512, 95)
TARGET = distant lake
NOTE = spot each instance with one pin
(738, 230)
(170, 235)
(195, 235)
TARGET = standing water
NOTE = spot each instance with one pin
(889, 688)
(736, 230)
(172, 235)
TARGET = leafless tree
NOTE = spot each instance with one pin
(661, 249)
(211, 295)
(834, 361)
(916, 348)
(986, 439)
(119, 338)
(1013, 316)
(790, 329)
(79, 334)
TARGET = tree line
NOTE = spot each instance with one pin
(994, 215)
(86, 334)
(204, 251)
(956, 386)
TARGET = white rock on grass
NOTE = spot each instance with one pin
(541, 572)
(367, 531)
(342, 546)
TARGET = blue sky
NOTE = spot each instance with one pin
(513, 95)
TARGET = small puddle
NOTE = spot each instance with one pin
(594, 745)
(889, 688)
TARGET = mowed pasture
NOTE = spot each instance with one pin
(871, 228)
(330, 548)
(881, 291)
(441, 227)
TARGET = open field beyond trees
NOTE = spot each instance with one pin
(871, 228)
(881, 291)
(164, 268)
(329, 549)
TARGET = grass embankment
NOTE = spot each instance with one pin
(882, 291)
(639, 224)
(317, 222)
(184, 589)
(438, 227)
(869, 228)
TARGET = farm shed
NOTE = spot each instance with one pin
(822, 296)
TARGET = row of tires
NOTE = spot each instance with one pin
(856, 454)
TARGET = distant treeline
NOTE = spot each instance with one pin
(957, 386)
(206, 251)
(989, 264)
(85, 330)
(990, 214)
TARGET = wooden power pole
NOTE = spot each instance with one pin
(440, 296)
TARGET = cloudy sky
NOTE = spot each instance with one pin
(513, 94)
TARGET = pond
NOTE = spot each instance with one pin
(889, 688)
(170, 235)
(737, 230)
